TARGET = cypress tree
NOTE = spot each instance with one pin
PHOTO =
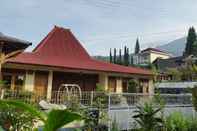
(115, 56)
(125, 56)
(137, 47)
(131, 62)
(120, 57)
(195, 48)
(110, 56)
(191, 38)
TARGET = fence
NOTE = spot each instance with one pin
(89, 98)
(119, 106)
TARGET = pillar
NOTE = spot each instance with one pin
(50, 83)
(119, 85)
(103, 80)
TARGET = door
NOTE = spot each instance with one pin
(41, 83)
(112, 84)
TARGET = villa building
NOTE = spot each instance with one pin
(60, 59)
(149, 55)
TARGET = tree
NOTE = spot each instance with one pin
(110, 56)
(127, 57)
(120, 57)
(131, 61)
(175, 73)
(194, 49)
(114, 61)
(191, 38)
(137, 47)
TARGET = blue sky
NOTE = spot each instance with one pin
(100, 24)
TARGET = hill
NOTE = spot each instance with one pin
(175, 47)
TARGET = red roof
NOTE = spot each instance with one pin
(61, 49)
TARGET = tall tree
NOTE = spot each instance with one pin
(125, 55)
(191, 38)
(131, 60)
(110, 56)
(137, 46)
(120, 57)
(194, 49)
(114, 61)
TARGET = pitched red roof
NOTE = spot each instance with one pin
(61, 49)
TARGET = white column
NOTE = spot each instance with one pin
(50, 82)
(29, 81)
(118, 85)
(103, 80)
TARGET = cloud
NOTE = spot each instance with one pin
(99, 24)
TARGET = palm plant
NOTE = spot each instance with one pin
(53, 120)
(147, 116)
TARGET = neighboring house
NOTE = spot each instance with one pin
(149, 55)
(61, 59)
(162, 65)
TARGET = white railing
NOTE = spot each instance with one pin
(91, 97)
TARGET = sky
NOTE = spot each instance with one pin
(100, 24)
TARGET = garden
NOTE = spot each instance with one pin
(17, 115)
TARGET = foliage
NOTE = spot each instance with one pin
(21, 120)
(137, 47)
(132, 86)
(100, 88)
(114, 58)
(126, 56)
(191, 38)
(114, 126)
(154, 71)
(59, 118)
(110, 56)
(176, 122)
(175, 73)
(119, 58)
(52, 121)
(147, 116)
(194, 97)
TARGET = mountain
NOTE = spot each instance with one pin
(175, 47)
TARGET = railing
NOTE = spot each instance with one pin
(92, 99)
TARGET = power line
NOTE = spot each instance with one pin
(128, 35)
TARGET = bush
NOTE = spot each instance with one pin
(132, 86)
(147, 116)
(176, 122)
(12, 118)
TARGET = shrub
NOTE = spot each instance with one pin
(176, 122)
(147, 116)
(132, 86)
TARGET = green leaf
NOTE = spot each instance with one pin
(25, 107)
(58, 118)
